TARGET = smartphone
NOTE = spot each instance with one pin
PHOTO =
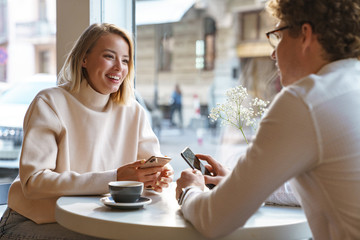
(195, 163)
(154, 161)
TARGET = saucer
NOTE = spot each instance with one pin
(108, 201)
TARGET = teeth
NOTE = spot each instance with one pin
(114, 77)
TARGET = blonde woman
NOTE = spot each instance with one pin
(81, 135)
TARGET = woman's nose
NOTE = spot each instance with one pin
(117, 65)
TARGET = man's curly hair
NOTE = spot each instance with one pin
(336, 22)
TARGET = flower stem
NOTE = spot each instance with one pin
(244, 135)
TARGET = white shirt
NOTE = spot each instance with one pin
(311, 136)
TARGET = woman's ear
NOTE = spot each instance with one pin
(84, 61)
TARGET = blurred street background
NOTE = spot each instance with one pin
(200, 48)
(172, 141)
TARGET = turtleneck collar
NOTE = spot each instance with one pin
(91, 98)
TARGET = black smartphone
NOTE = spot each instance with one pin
(195, 163)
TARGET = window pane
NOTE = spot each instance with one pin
(267, 23)
(210, 51)
(31, 38)
(27, 47)
(250, 26)
(200, 50)
(166, 46)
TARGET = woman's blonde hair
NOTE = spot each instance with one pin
(73, 73)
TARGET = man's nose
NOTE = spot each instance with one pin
(273, 55)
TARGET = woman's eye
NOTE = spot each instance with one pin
(109, 56)
(125, 61)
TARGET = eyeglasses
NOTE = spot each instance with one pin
(274, 37)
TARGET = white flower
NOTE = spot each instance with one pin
(239, 110)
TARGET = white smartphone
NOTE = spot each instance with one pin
(154, 161)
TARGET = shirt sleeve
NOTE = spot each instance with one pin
(41, 173)
(284, 146)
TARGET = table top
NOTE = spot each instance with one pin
(162, 219)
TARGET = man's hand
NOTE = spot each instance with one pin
(218, 170)
(189, 177)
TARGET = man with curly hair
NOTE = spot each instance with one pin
(310, 134)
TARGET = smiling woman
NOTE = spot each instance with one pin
(82, 134)
(107, 63)
(104, 60)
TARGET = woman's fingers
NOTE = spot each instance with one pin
(136, 163)
(153, 177)
(150, 170)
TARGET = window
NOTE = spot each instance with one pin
(208, 45)
(3, 39)
(165, 47)
(32, 25)
(42, 10)
(27, 46)
(199, 62)
(254, 25)
(182, 52)
(2, 72)
(3, 21)
(44, 61)
(209, 51)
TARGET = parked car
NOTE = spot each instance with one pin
(14, 103)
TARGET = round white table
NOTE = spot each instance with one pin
(162, 219)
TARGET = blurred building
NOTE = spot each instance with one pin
(27, 38)
(205, 46)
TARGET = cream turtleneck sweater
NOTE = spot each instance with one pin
(73, 145)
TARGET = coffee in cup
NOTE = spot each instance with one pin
(126, 191)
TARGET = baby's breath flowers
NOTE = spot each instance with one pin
(239, 110)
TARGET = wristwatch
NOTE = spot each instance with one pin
(182, 194)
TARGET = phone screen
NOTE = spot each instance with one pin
(193, 161)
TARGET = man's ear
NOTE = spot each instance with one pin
(308, 36)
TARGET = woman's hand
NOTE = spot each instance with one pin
(132, 172)
(189, 177)
(218, 171)
(155, 178)
(164, 179)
